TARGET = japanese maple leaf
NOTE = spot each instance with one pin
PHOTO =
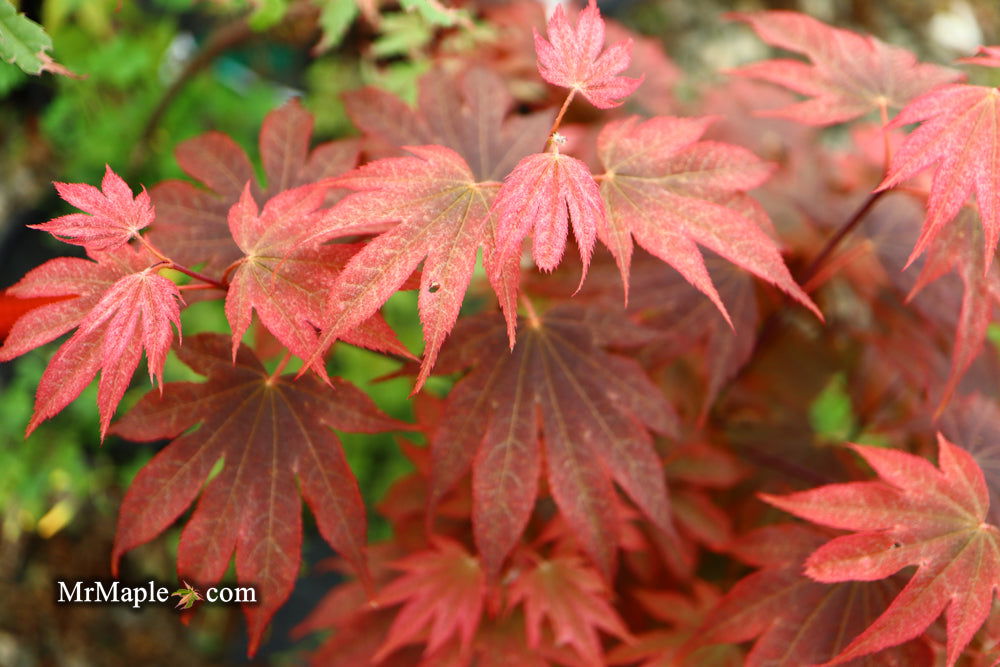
(286, 280)
(956, 249)
(192, 224)
(795, 620)
(274, 437)
(124, 308)
(188, 596)
(572, 58)
(933, 518)
(468, 114)
(850, 75)
(115, 217)
(574, 600)
(595, 409)
(444, 588)
(671, 192)
(973, 422)
(959, 134)
(443, 217)
(544, 194)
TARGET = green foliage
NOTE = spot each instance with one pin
(22, 41)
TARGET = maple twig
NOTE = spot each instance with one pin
(171, 264)
(831, 245)
(559, 117)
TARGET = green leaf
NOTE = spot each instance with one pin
(432, 11)
(267, 13)
(335, 17)
(22, 41)
(831, 414)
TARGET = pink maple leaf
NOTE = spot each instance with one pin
(572, 58)
(114, 217)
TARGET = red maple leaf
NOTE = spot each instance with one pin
(594, 409)
(672, 192)
(468, 114)
(115, 216)
(444, 588)
(850, 75)
(274, 435)
(956, 249)
(795, 620)
(124, 307)
(572, 58)
(443, 217)
(192, 225)
(959, 134)
(574, 599)
(287, 280)
(933, 518)
(544, 194)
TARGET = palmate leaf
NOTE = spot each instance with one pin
(443, 217)
(596, 411)
(573, 599)
(957, 249)
(671, 193)
(274, 436)
(958, 133)
(850, 75)
(285, 280)
(469, 114)
(445, 588)
(124, 308)
(572, 58)
(543, 195)
(795, 620)
(115, 216)
(192, 225)
(916, 514)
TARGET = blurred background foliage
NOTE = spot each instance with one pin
(153, 73)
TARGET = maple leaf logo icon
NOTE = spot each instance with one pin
(188, 596)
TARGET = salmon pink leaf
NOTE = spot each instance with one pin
(124, 308)
(933, 518)
(672, 192)
(572, 58)
(442, 217)
(274, 437)
(286, 280)
(959, 134)
(596, 411)
(115, 217)
(850, 75)
(544, 194)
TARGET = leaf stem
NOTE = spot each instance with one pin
(280, 367)
(559, 118)
(831, 245)
(171, 264)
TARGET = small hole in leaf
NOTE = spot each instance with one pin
(434, 287)
(897, 545)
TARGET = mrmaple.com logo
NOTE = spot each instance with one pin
(114, 592)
